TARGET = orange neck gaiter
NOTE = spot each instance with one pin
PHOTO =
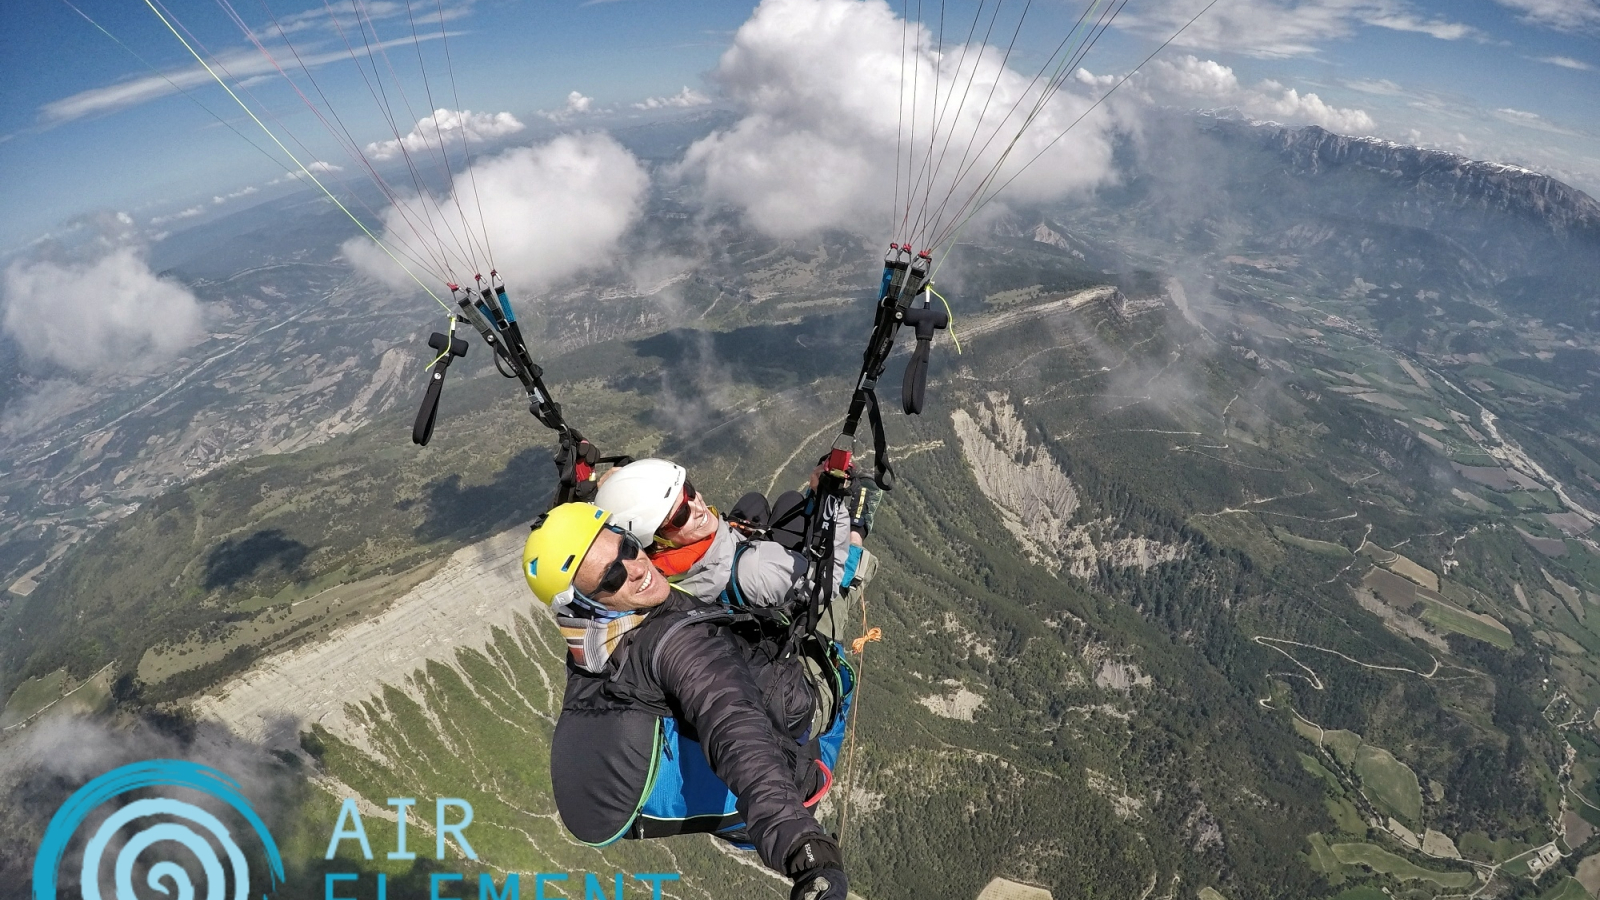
(674, 561)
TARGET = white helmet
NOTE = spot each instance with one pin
(640, 494)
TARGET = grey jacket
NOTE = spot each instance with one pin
(768, 573)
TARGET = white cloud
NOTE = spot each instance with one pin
(1438, 28)
(135, 321)
(1563, 15)
(1566, 62)
(551, 210)
(684, 98)
(1381, 87)
(446, 129)
(189, 213)
(349, 19)
(1280, 28)
(1191, 81)
(239, 64)
(1532, 120)
(242, 192)
(820, 87)
(1274, 101)
(315, 167)
(577, 104)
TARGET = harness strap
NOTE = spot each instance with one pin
(880, 443)
(695, 617)
(732, 595)
(805, 641)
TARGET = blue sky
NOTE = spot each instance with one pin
(1507, 80)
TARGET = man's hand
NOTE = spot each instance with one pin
(817, 870)
(823, 884)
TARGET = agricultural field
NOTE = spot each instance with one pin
(1405, 596)
(1389, 783)
(32, 695)
(52, 695)
(1380, 860)
(1363, 893)
(1589, 874)
(1324, 547)
(1005, 889)
(1473, 625)
(1566, 889)
(1343, 744)
(1311, 765)
(1477, 845)
(1323, 859)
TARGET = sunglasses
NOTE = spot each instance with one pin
(616, 574)
(680, 518)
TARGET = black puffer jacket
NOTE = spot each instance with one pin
(727, 689)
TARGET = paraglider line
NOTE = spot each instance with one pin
(1005, 58)
(348, 144)
(1052, 86)
(956, 234)
(972, 75)
(424, 196)
(366, 17)
(444, 165)
(291, 155)
(472, 176)
(900, 122)
(174, 85)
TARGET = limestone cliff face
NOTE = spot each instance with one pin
(1497, 221)
(1445, 183)
(1037, 501)
(1035, 498)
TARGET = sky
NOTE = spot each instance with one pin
(86, 126)
(93, 128)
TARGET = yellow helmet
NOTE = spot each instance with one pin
(551, 556)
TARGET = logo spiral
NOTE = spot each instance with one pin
(191, 831)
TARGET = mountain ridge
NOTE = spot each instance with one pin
(1523, 191)
(1461, 181)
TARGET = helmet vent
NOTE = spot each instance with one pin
(568, 564)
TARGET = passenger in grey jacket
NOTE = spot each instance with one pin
(695, 547)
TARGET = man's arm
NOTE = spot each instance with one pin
(707, 680)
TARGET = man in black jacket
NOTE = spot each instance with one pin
(647, 651)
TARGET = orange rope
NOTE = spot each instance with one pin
(859, 646)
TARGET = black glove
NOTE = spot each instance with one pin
(818, 870)
(823, 884)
